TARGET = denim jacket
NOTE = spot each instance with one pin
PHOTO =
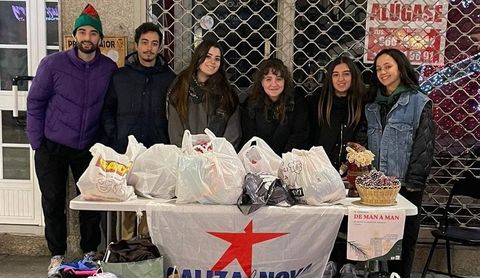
(392, 145)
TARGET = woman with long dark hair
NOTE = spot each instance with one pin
(339, 113)
(201, 97)
(273, 111)
(401, 135)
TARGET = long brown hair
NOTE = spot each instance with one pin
(355, 94)
(216, 85)
(258, 93)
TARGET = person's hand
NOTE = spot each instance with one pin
(343, 169)
(357, 147)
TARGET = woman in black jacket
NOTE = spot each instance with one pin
(273, 111)
(339, 113)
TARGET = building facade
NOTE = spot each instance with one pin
(436, 35)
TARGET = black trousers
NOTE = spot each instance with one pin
(52, 162)
(410, 235)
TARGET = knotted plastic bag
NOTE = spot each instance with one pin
(257, 157)
(105, 178)
(263, 189)
(209, 170)
(154, 173)
(134, 149)
(310, 176)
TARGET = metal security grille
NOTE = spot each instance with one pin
(308, 34)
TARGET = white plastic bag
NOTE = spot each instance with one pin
(209, 170)
(154, 173)
(134, 149)
(311, 177)
(105, 178)
(257, 157)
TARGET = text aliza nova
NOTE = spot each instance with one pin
(197, 273)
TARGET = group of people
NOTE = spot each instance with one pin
(79, 97)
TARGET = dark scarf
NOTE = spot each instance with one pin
(217, 117)
(388, 100)
(196, 91)
(272, 109)
(340, 103)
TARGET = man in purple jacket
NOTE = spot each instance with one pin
(64, 107)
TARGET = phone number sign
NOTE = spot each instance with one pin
(420, 46)
(417, 28)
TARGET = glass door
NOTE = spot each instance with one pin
(28, 31)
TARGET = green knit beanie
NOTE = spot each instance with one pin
(89, 16)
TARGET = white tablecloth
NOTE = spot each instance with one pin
(197, 238)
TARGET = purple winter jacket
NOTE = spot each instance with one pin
(65, 100)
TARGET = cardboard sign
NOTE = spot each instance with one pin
(374, 234)
(113, 47)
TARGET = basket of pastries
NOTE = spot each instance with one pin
(376, 189)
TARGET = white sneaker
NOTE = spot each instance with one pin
(55, 263)
(330, 270)
(88, 257)
(348, 271)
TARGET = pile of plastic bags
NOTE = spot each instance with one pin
(206, 169)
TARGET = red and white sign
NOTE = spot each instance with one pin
(417, 28)
(375, 234)
(210, 241)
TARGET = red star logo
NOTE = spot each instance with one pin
(241, 245)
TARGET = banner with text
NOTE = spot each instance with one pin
(219, 241)
(113, 47)
(417, 28)
(375, 234)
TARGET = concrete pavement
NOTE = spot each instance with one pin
(36, 267)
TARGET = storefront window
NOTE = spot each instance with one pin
(16, 163)
(13, 129)
(22, 48)
(311, 33)
(51, 17)
(12, 62)
(245, 29)
(50, 51)
(13, 14)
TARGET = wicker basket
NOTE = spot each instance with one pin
(378, 196)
